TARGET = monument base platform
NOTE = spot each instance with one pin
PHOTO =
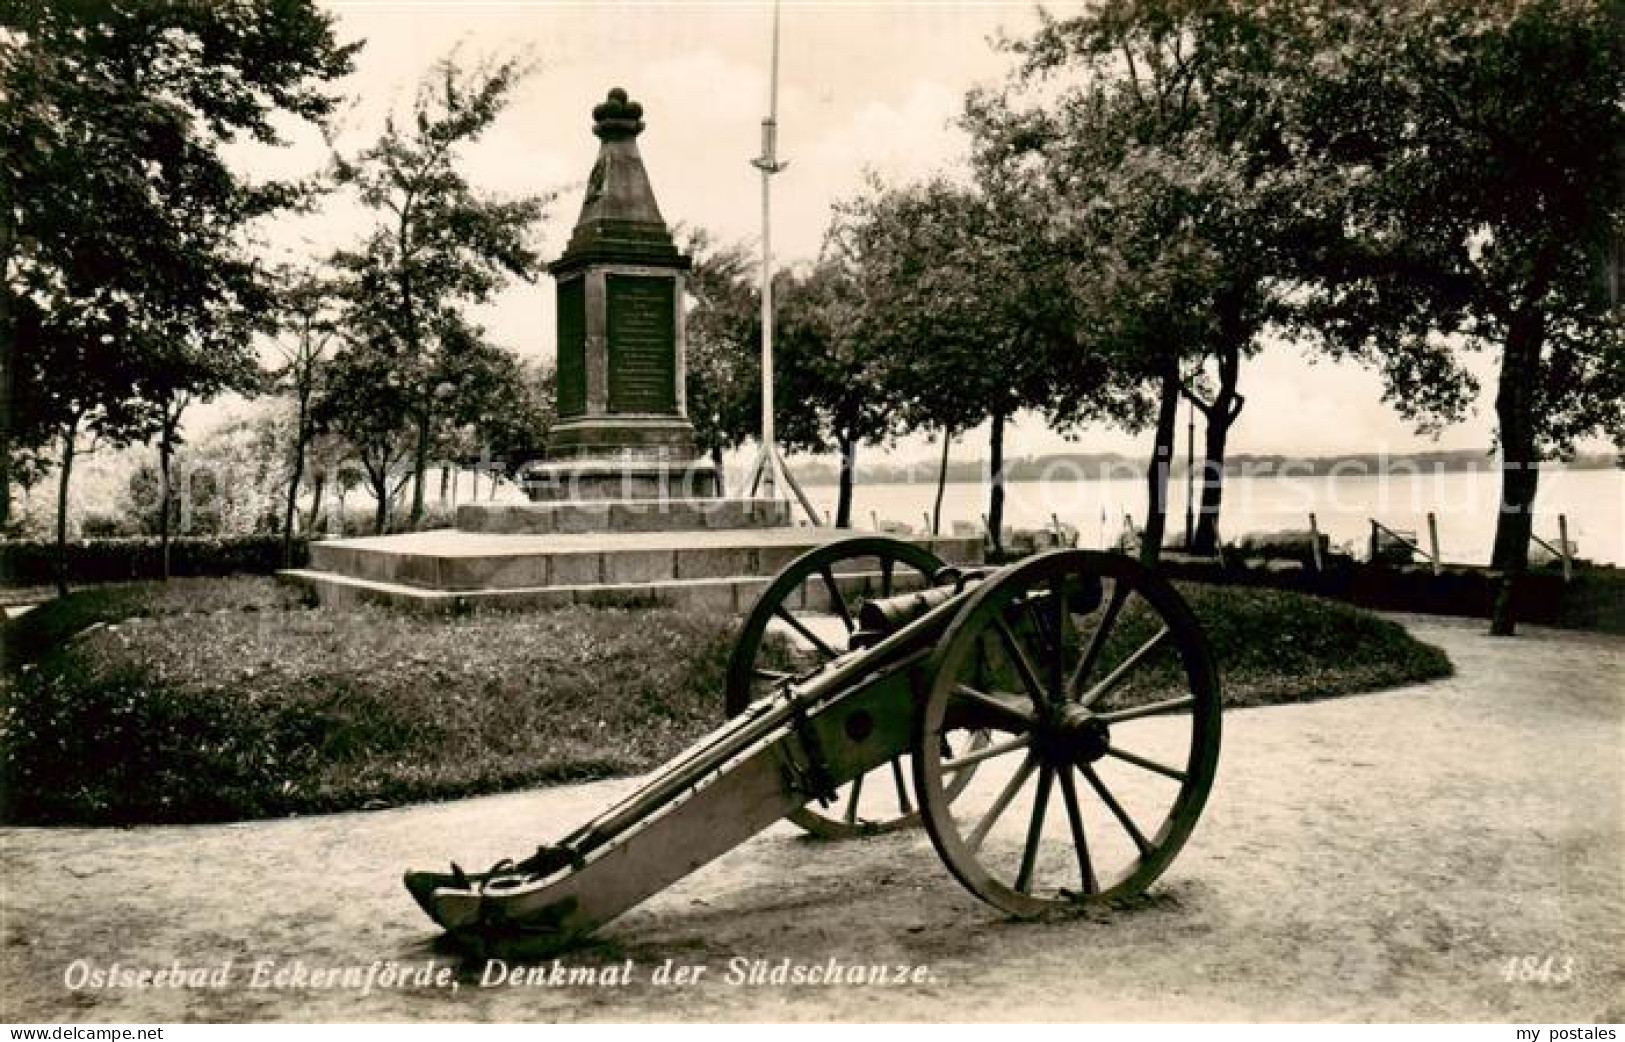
(462, 571)
(576, 480)
(635, 515)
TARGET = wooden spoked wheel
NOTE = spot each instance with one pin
(805, 618)
(1102, 701)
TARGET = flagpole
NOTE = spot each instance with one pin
(768, 163)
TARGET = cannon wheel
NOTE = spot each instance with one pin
(816, 592)
(1111, 713)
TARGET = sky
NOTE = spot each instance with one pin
(865, 88)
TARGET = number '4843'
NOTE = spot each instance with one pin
(1533, 969)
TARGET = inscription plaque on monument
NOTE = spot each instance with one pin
(572, 330)
(642, 344)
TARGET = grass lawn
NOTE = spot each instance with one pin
(217, 699)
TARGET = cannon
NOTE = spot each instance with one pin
(873, 689)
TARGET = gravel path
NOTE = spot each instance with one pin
(1379, 857)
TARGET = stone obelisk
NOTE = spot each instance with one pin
(623, 430)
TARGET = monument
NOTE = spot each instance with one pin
(623, 430)
(623, 509)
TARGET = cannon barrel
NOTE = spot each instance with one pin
(884, 616)
(881, 618)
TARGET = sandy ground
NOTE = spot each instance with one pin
(1379, 857)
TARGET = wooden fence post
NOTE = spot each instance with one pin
(1433, 540)
(1563, 544)
(1314, 543)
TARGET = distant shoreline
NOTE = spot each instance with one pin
(1095, 466)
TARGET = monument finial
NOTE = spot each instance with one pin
(617, 118)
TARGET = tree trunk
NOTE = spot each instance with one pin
(291, 505)
(166, 493)
(1515, 416)
(420, 466)
(843, 500)
(1219, 417)
(716, 461)
(995, 506)
(69, 434)
(301, 436)
(7, 342)
(316, 495)
(445, 481)
(1156, 479)
(942, 481)
(379, 480)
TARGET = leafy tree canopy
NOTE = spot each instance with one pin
(121, 214)
(724, 328)
(1474, 171)
(439, 245)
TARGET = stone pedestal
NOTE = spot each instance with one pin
(720, 571)
(627, 476)
(623, 430)
(623, 515)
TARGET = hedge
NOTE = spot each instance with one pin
(33, 561)
(1593, 600)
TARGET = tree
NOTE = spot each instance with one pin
(227, 483)
(491, 401)
(326, 457)
(1472, 162)
(369, 405)
(1140, 275)
(75, 386)
(963, 303)
(309, 332)
(440, 245)
(200, 350)
(118, 212)
(724, 328)
(1163, 154)
(832, 380)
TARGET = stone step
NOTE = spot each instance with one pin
(343, 591)
(732, 595)
(449, 569)
(651, 515)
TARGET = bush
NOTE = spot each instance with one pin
(1285, 545)
(101, 526)
(33, 561)
(1275, 646)
(359, 517)
(435, 515)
